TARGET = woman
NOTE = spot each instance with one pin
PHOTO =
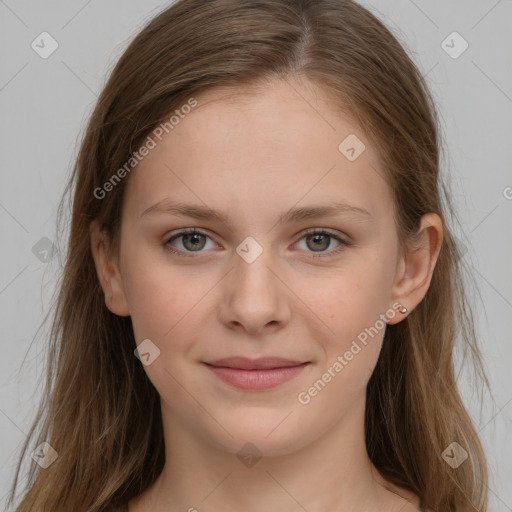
(262, 293)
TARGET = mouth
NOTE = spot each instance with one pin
(256, 374)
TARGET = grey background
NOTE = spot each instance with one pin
(45, 103)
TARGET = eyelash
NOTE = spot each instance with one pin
(308, 232)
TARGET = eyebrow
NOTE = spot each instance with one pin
(295, 214)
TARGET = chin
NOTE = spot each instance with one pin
(260, 435)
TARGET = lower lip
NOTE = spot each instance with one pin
(256, 379)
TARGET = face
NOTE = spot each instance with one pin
(275, 276)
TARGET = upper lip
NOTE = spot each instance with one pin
(262, 363)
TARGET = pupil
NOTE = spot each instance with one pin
(320, 239)
(195, 239)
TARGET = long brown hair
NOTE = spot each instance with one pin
(99, 411)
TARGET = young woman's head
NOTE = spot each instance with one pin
(258, 180)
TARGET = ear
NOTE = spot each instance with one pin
(416, 265)
(108, 271)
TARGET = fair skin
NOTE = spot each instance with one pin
(253, 156)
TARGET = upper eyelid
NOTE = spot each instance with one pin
(187, 231)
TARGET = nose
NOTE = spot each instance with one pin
(255, 298)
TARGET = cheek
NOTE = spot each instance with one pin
(168, 304)
(158, 297)
(354, 313)
(160, 309)
(354, 304)
(352, 298)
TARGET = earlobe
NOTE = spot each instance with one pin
(108, 272)
(417, 265)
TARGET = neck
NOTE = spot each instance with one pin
(332, 473)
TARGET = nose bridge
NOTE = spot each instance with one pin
(253, 295)
(252, 273)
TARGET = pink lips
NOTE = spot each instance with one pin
(256, 374)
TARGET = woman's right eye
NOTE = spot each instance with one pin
(192, 240)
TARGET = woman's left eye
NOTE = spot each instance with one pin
(193, 240)
(321, 239)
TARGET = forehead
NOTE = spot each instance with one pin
(255, 145)
(277, 100)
